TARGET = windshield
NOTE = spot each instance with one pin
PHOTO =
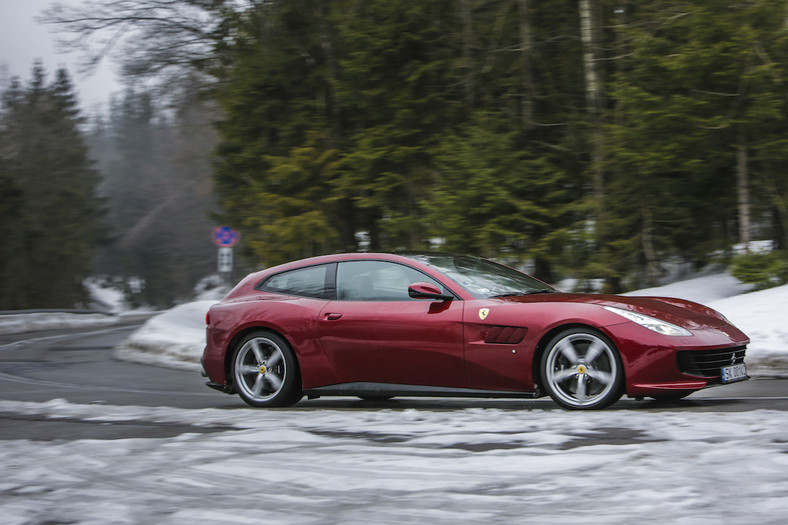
(483, 278)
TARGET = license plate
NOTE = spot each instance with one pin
(734, 373)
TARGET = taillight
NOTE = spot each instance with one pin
(208, 318)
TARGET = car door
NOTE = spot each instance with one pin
(375, 332)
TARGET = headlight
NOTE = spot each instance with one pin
(655, 325)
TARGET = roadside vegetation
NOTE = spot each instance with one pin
(587, 139)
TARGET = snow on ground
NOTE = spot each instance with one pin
(31, 322)
(177, 337)
(389, 466)
(174, 338)
(762, 316)
(108, 298)
(702, 290)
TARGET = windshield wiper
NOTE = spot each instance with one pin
(543, 290)
(527, 292)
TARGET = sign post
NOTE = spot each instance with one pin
(225, 260)
(225, 238)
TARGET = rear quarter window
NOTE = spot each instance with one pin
(304, 282)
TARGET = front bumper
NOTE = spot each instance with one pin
(662, 365)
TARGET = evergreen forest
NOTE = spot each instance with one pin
(611, 142)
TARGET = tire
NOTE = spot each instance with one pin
(265, 371)
(581, 370)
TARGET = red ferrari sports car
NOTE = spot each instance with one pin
(428, 324)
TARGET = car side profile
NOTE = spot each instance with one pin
(429, 324)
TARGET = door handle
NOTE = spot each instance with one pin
(333, 317)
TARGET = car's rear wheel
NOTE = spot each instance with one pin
(265, 372)
(581, 369)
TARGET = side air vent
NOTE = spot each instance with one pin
(505, 335)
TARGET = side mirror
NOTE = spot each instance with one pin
(427, 291)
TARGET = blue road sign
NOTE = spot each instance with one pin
(225, 237)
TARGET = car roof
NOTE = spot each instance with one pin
(405, 257)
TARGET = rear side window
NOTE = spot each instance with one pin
(305, 282)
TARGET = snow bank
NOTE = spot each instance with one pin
(174, 338)
(31, 322)
(700, 289)
(762, 316)
(177, 337)
(106, 297)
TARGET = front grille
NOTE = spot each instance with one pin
(707, 363)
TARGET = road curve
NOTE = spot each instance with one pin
(77, 365)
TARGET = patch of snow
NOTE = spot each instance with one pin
(211, 288)
(700, 289)
(762, 316)
(30, 322)
(174, 338)
(105, 296)
(754, 247)
(475, 466)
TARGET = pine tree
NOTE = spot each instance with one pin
(397, 94)
(699, 100)
(279, 128)
(53, 215)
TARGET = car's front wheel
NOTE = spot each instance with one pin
(581, 369)
(265, 372)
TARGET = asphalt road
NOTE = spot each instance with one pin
(77, 365)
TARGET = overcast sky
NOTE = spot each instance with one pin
(22, 41)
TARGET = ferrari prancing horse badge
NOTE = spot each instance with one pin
(483, 313)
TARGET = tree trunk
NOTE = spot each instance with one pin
(467, 47)
(526, 49)
(780, 214)
(743, 192)
(589, 36)
(652, 270)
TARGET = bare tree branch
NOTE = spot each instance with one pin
(149, 39)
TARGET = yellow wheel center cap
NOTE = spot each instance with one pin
(581, 369)
(262, 369)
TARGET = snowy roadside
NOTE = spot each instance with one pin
(15, 323)
(175, 338)
(31, 322)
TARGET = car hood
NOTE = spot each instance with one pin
(687, 314)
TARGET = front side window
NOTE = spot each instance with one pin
(377, 281)
(306, 282)
(484, 278)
